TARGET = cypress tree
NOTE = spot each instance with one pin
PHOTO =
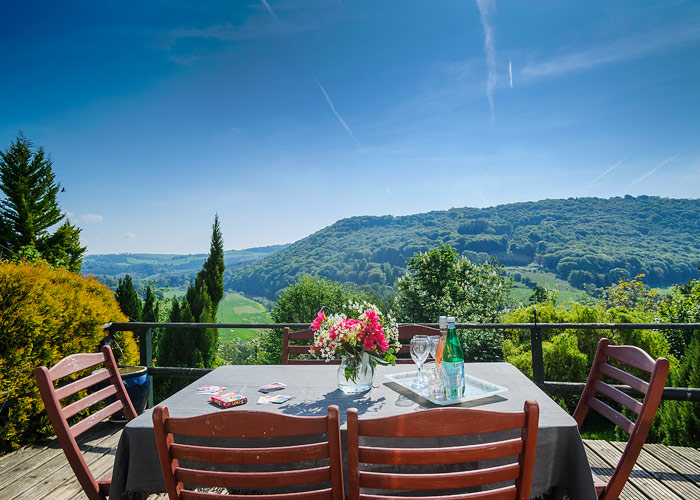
(30, 207)
(212, 273)
(127, 298)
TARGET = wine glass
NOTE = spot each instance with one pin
(434, 341)
(420, 348)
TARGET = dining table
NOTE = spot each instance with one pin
(561, 467)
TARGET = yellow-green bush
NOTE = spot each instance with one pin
(45, 315)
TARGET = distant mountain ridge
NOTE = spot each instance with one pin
(165, 269)
(586, 241)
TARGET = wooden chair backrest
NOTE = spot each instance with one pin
(248, 424)
(442, 423)
(59, 415)
(406, 333)
(645, 410)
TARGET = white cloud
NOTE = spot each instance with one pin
(633, 47)
(129, 236)
(90, 218)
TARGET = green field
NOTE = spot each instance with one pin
(235, 308)
(522, 293)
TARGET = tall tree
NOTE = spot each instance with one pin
(197, 347)
(30, 207)
(212, 273)
(127, 298)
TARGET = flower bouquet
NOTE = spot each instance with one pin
(362, 342)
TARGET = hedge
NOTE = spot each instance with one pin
(45, 315)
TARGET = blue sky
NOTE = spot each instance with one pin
(286, 115)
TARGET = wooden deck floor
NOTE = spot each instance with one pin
(42, 472)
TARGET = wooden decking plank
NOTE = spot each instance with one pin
(70, 489)
(602, 462)
(670, 478)
(45, 451)
(644, 480)
(38, 483)
(671, 456)
(691, 454)
(46, 459)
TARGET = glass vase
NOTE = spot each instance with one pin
(355, 374)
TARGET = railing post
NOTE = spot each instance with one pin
(146, 351)
(536, 349)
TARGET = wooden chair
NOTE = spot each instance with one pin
(59, 415)
(406, 333)
(645, 410)
(237, 423)
(442, 423)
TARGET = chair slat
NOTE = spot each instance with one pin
(505, 493)
(299, 349)
(450, 455)
(617, 395)
(240, 456)
(324, 494)
(615, 417)
(248, 425)
(253, 480)
(302, 335)
(88, 401)
(421, 424)
(81, 384)
(75, 363)
(632, 356)
(624, 377)
(95, 418)
(442, 481)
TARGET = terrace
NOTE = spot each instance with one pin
(661, 472)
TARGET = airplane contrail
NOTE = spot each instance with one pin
(510, 72)
(607, 171)
(651, 171)
(323, 90)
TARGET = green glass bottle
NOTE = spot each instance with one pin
(453, 362)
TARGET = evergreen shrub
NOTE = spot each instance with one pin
(45, 315)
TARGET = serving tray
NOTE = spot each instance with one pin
(474, 388)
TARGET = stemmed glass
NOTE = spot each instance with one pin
(420, 347)
(434, 341)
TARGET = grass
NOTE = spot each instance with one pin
(234, 308)
(522, 293)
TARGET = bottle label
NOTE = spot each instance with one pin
(454, 372)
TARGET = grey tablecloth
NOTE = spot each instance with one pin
(561, 466)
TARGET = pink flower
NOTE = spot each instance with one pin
(317, 322)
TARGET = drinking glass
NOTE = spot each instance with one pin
(420, 347)
(434, 341)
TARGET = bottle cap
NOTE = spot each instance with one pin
(442, 320)
(450, 319)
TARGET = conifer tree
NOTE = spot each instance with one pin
(212, 273)
(127, 298)
(30, 207)
(197, 347)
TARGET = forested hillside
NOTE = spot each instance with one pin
(586, 241)
(165, 269)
